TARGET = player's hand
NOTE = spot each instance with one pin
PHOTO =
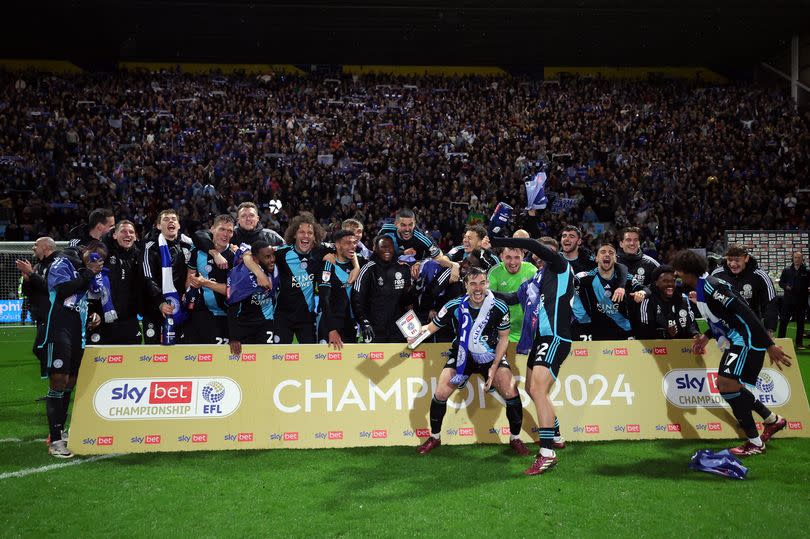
(335, 340)
(432, 314)
(166, 309)
(491, 376)
(415, 270)
(236, 347)
(93, 321)
(25, 267)
(672, 330)
(699, 344)
(220, 261)
(409, 252)
(693, 297)
(638, 297)
(485, 243)
(330, 257)
(263, 281)
(455, 272)
(778, 356)
(195, 281)
(367, 331)
(618, 295)
(95, 267)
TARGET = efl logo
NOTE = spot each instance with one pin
(379, 433)
(244, 437)
(170, 393)
(205, 358)
(634, 428)
(334, 356)
(620, 351)
(152, 438)
(794, 425)
(290, 436)
(465, 431)
(674, 427)
(418, 354)
(591, 429)
(422, 433)
(660, 350)
(160, 358)
(292, 356)
(334, 435)
(199, 438)
(580, 352)
(714, 427)
(249, 357)
(376, 356)
(104, 440)
(115, 359)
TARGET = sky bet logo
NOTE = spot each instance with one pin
(117, 358)
(580, 352)
(693, 388)
(159, 393)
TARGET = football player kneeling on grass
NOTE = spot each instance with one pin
(481, 324)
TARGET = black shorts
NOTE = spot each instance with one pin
(118, 332)
(303, 330)
(255, 333)
(741, 363)
(471, 367)
(151, 330)
(41, 353)
(63, 357)
(549, 352)
(205, 328)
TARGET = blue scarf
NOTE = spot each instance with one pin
(469, 338)
(536, 192)
(529, 297)
(242, 284)
(170, 294)
(100, 288)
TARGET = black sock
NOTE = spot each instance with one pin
(65, 405)
(53, 410)
(437, 410)
(557, 427)
(514, 413)
(547, 438)
(741, 405)
(759, 408)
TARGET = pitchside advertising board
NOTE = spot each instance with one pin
(185, 398)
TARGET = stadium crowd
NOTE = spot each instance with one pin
(680, 160)
(187, 241)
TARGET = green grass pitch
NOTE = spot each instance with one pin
(599, 489)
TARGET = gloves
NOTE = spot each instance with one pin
(500, 219)
(366, 331)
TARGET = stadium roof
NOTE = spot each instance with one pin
(472, 32)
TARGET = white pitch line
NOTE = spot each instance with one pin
(49, 467)
(19, 440)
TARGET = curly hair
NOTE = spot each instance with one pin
(303, 218)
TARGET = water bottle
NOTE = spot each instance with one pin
(167, 336)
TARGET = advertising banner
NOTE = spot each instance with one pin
(184, 398)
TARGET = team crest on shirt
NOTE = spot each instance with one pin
(325, 276)
(747, 291)
(304, 264)
(682, 314)
(112, 260)
(380, 281)
(208, 268)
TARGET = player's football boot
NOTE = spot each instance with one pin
(518, 447)
(772, 428)
(747, 449)
(541, 465)
(59, 449)
(429, 445)
(559, 444)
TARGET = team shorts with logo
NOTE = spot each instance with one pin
(118, 332)
(741, 363)
(63, 357)
(471, 367)
(549, 352)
